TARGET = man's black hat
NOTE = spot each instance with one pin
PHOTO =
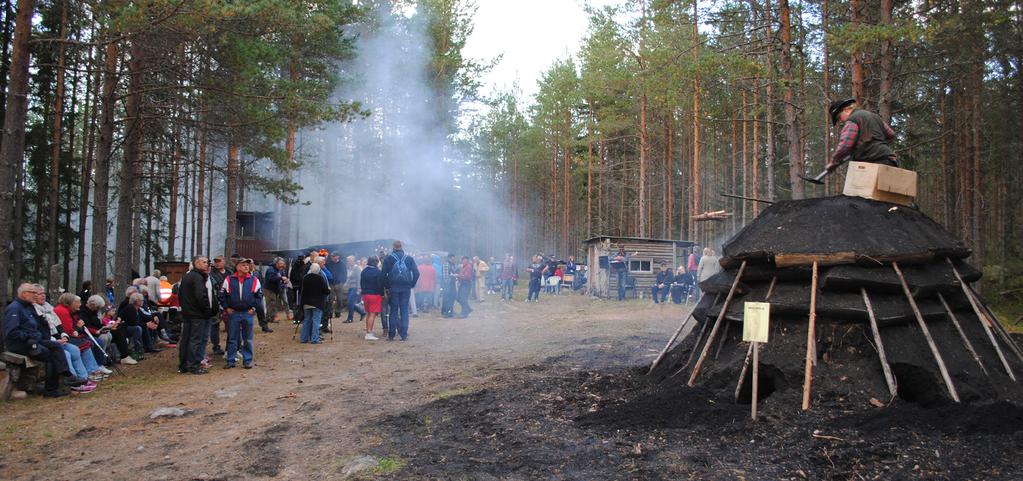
(836, 107)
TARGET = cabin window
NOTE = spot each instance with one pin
(639, 265)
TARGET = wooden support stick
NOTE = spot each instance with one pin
(743, 371)
(984, 322)
(749, 351)
(717, 325)
(999, 328)
(756, 378)
(888, 377)
(962, 335)
(671, 341)
(721, 343)
(811, 341)
(927, 333)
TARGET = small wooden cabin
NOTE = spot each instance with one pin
(646, 256)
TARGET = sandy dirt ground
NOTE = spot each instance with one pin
(305, 411)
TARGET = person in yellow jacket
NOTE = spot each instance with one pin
(481, 276)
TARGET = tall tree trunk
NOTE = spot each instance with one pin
(589, 172)
(172, 218)
(232, 192)
(128, 222)
(5, 55)
(91, 109)
(104, 148)
(884, 100)
(858, 79)
(792, 128)
(826, 81)
(643, 139)
(745, 159)
(201, 197)
(53, 203)
(12, 150)
(697, 179)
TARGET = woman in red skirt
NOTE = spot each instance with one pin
(372, 283)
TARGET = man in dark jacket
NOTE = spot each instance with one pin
(338, 294)
(865, 135)
(217, 276)
(466, 279)
(662, 285)
(239, 297)
(198, 309)
(27, 334)
(401, 275)
(449, 287)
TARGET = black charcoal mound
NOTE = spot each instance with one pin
(830, 225)
(848, 368)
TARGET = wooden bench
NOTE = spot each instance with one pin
(15, 365)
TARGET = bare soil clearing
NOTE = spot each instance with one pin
(518, 391)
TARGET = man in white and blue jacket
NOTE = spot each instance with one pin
(240, 295)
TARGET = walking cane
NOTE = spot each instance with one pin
(100, 346)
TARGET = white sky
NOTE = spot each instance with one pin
(531, 34)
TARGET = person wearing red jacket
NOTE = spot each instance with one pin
(466, 279)
(427, 284)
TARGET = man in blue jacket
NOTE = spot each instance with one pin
(239, 296)
(401, 275)
(27, 334)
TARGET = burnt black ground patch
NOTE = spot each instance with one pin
(558, 421)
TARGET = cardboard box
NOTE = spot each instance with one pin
(880, 182)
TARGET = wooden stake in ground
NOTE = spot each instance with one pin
(811, 340)
(888, 377)
(671, 341)
(717, 325)
(999, 328)
(749, 351)
(962, 335)
(756, 380)
(927, 333)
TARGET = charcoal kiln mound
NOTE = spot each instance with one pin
(895, 316)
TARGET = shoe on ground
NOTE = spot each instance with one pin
(348, 321)
(84, 388)
(199, 371)
(325, 330)
(247, 365)
(316, 342)
(229, 366)
(55, 393)
(218, 352)
(268, 330)
(105, 371)
(371, 337)
(128, 360)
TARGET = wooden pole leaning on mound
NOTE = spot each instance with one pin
(671, 341)
(999, 328)
(966, 341)
(811, 341)
(717, 325)
(927, 333)
(749, 351)
(984, 322)
(888, 377)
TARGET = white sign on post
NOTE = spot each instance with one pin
(756, 321)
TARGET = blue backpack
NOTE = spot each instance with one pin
(401, 272)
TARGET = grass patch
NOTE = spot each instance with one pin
(388, 465)
(453, 392)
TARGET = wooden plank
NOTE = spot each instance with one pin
(811, 341)
(927, 333)
(885, 367)
(962, 335)
(999, 328)
(984, 322)
(805, 259)
(717, 325)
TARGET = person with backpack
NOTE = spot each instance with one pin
(400, 275)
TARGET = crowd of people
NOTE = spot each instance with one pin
(86, 334)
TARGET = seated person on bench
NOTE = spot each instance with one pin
(27, 334)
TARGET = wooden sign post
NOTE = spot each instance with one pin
(756, 323)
